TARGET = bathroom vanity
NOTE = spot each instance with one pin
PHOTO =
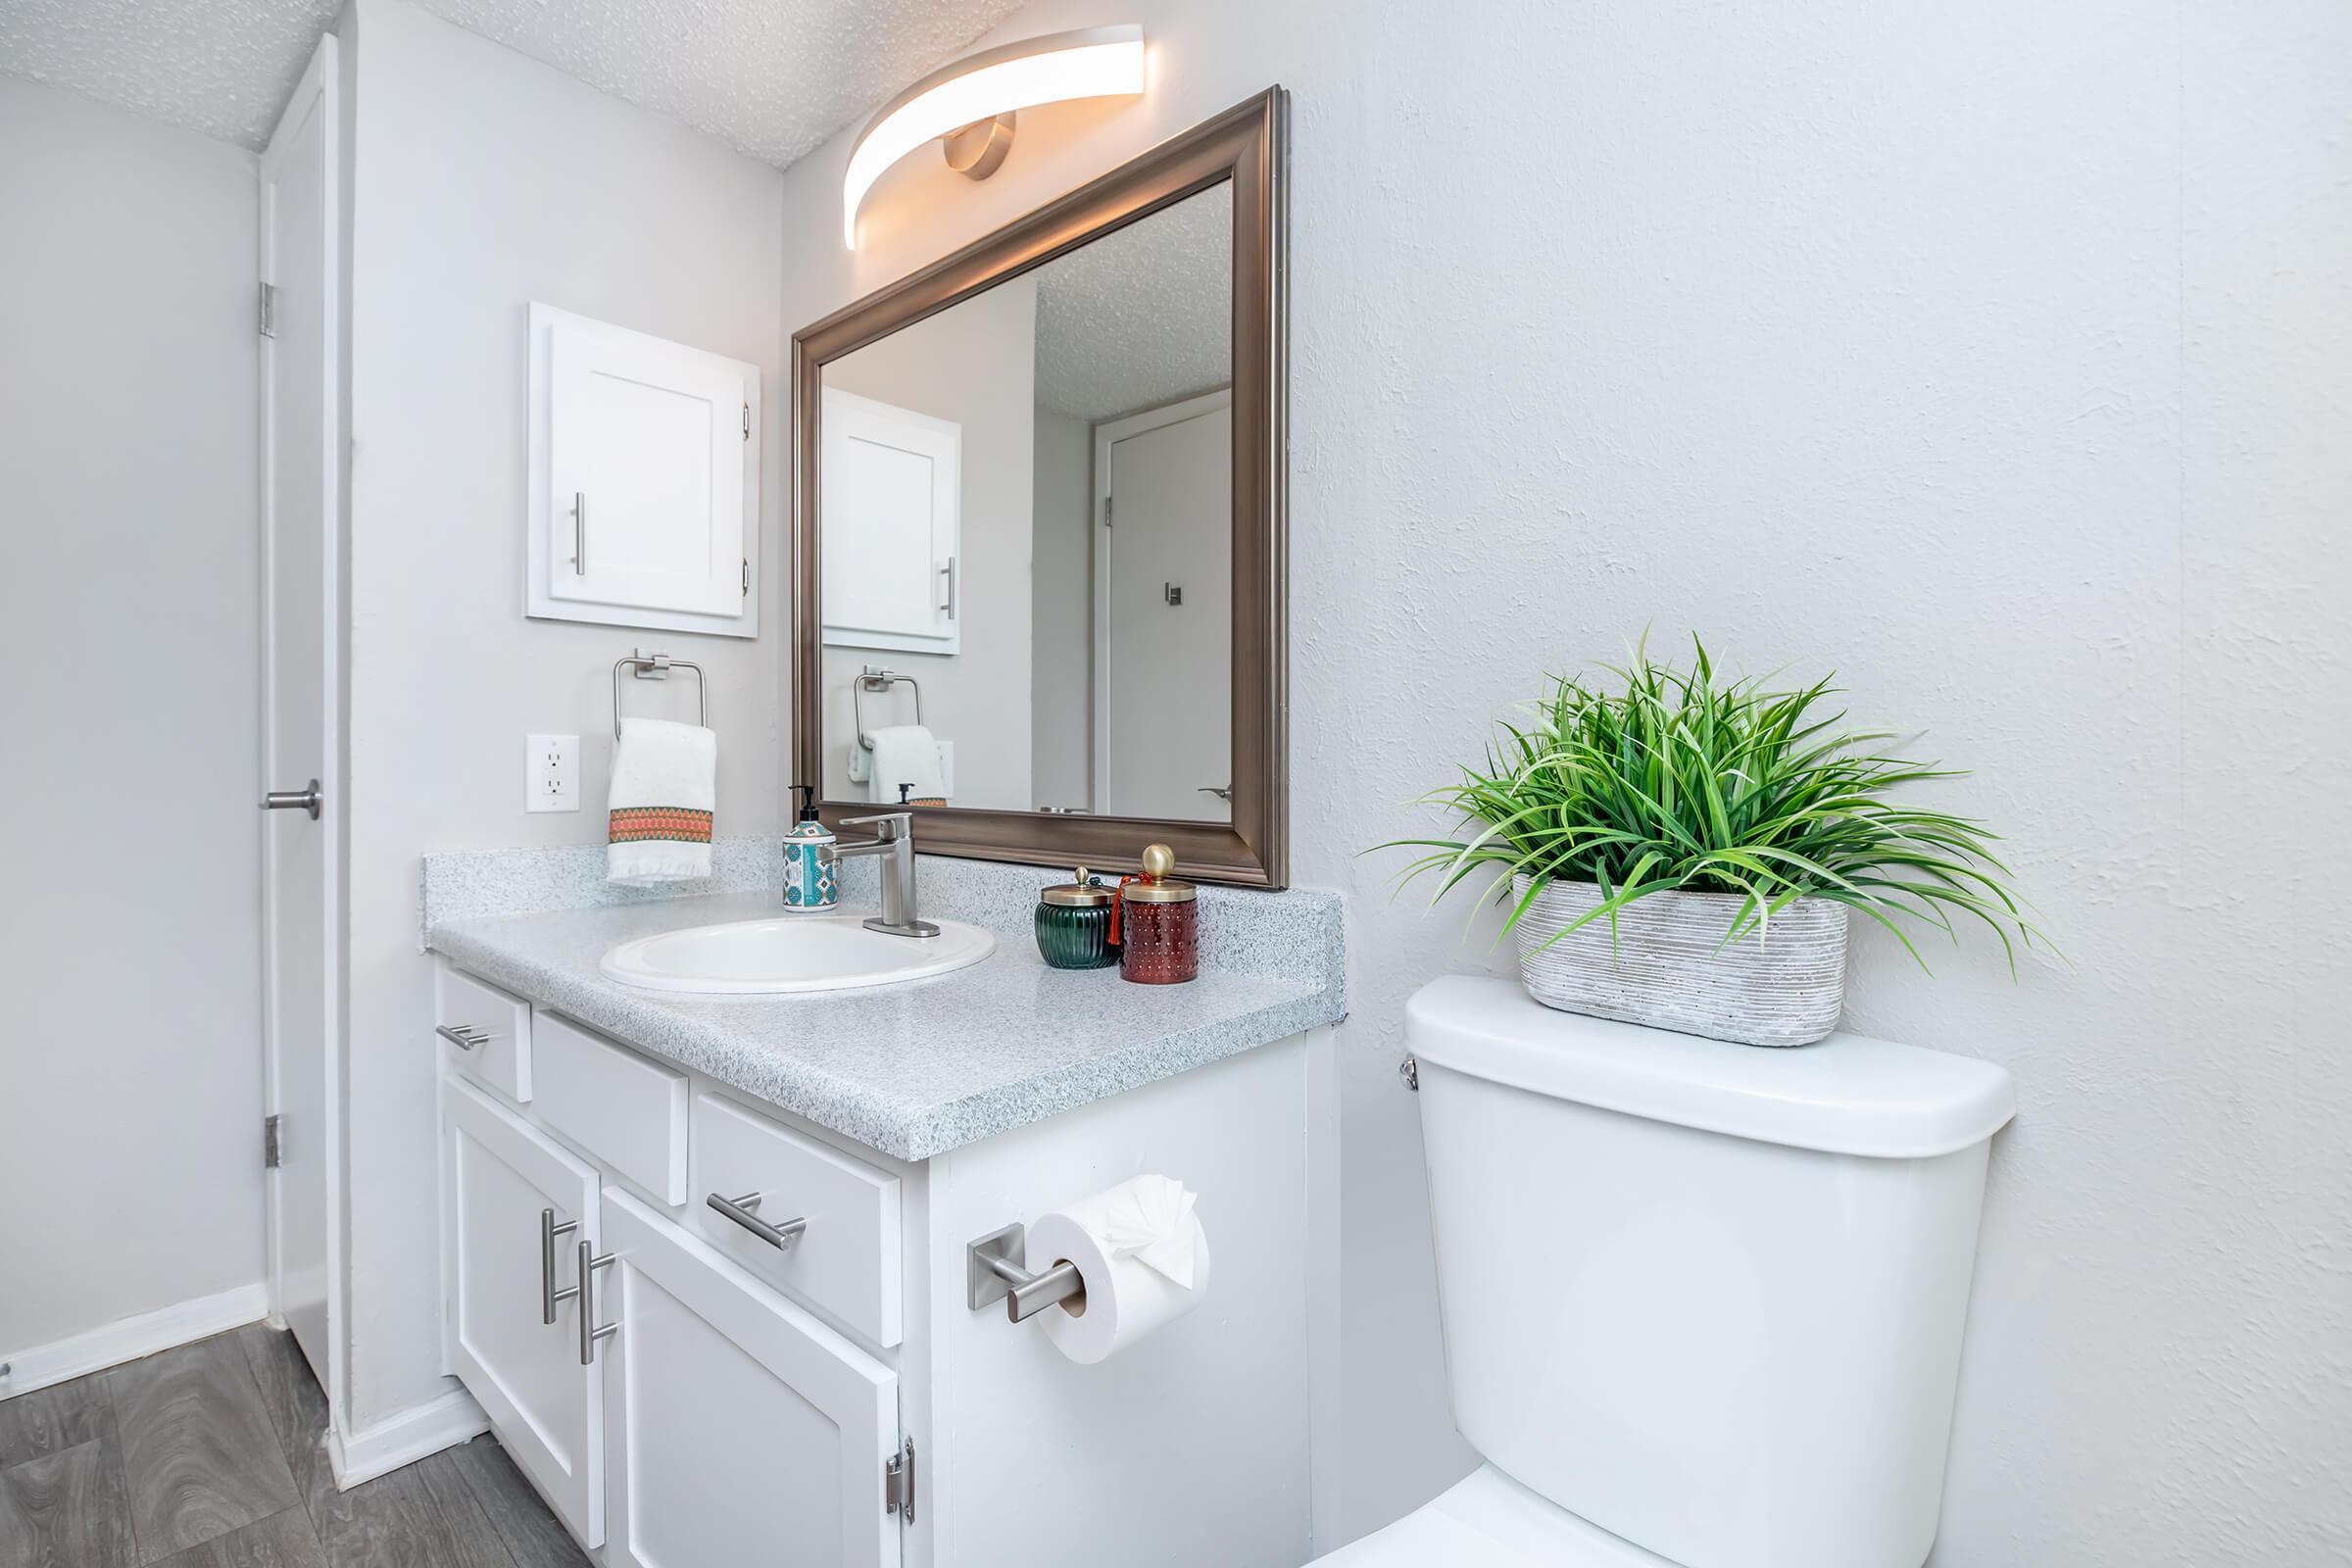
(708, 1260)
(705, 1258)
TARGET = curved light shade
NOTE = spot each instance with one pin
(1088, 63)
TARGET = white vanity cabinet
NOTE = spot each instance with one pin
(802, 1381)
(738, 1429)
(518, 1205)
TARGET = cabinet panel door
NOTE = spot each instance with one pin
(646, 473)
(892, 505)
(738, 1429)
(547, 1408)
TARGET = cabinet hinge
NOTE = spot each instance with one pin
(269, 309)
(274, 1141)
(898, 1483)
(747, 421)
(747, 576)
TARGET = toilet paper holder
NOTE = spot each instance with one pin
(995, 1270)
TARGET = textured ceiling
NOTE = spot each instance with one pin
(769, 77)
(1142, 316)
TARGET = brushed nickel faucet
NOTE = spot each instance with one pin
(894, 837)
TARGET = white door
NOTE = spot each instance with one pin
(300, 723)
(891, 488)
(1163, 730)
(649, 497)
(738, 1429)
(509, 1189)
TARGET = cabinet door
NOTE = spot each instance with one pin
(738, 1429)
(892, 505)
(651, 475)
(501, 1175)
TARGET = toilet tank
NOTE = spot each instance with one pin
(1707, 1297)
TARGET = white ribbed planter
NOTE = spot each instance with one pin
(1664, 969)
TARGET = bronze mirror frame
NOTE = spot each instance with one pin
(1248, 145)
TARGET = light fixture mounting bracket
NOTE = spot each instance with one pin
(979, 149)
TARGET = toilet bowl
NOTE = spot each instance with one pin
(1488, 1520)
(1702, 1304)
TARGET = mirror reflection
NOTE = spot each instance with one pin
(1025, 502)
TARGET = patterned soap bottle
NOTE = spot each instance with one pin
(811, 878)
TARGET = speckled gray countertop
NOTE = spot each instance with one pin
(923, 1067)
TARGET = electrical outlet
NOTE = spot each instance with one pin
(552, 774)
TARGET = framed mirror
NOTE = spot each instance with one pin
(1039, 526)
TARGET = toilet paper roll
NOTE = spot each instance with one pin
(1135, 1245)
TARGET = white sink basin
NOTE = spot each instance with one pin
(790, 953)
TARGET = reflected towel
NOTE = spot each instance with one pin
(664, 786)
(906, 754)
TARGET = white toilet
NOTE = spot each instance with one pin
(1702, 1302)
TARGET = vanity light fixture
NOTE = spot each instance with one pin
(969, 104)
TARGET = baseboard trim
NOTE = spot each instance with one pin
(403, 1438)
(98, 1349)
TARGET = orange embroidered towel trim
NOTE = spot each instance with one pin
(631, 823)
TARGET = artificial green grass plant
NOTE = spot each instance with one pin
(1710, 786)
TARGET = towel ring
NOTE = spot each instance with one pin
(657, 667)
(874, 678)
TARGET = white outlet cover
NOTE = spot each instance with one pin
(551, 773)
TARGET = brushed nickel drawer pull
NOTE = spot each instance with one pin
(739, 1210)
(590, 1262)
(549, 1295)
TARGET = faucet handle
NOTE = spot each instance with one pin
(887, 825)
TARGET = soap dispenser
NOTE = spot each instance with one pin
(811, 877)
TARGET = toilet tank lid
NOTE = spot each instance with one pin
(1846, 1095)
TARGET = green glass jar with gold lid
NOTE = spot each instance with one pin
(1073, 923)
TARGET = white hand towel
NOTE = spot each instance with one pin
(906, 754)
(665, 785)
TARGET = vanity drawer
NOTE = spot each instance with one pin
(475, 1009)
(847, 1259)
(627, 1110)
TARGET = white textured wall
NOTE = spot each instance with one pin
(129, 585)
(975, 367)
(482, 181)
(1994, 357)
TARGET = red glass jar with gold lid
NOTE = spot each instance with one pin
(1159, 923)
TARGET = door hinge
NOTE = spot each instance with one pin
(274, 1141)
(747, 576)
(747, 421)
(1107, 512)
(269, 309)
(898, 1483)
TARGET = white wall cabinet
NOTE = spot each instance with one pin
(750, 1404)
(892, 487)
(645, 480)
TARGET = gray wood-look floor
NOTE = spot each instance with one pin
(212, 1456)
